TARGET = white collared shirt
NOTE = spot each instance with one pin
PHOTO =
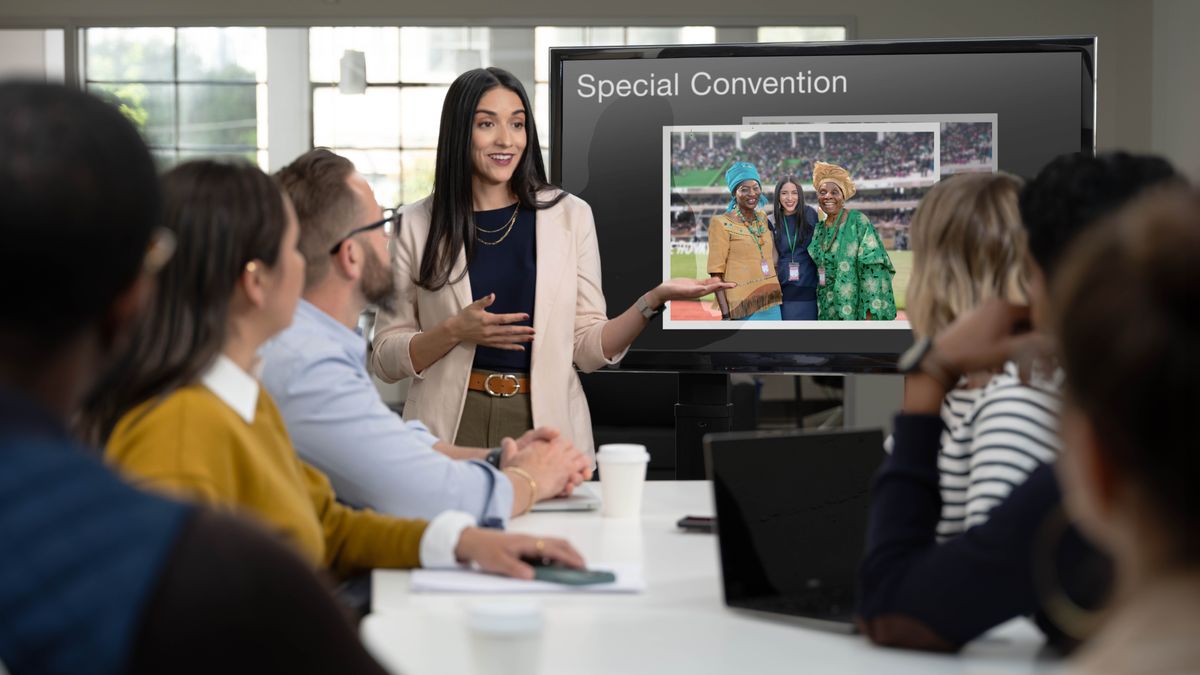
(240, 390)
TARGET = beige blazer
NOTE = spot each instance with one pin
(568, 317)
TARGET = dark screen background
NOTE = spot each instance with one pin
(610, 153)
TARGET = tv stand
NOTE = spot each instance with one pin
(704, 406)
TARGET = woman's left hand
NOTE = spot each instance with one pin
(685, 289)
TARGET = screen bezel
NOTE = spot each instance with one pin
(775, 362)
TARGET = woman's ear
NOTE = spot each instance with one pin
(252, 283)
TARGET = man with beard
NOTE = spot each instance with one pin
(316, 372)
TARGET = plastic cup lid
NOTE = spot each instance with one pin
(505, 617)
(623, 452)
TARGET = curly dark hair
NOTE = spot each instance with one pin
(1075, 190)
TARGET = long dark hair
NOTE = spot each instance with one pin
(452, 218)
(802, 225)
(223, 215)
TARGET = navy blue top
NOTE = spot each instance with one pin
(977, 580)
(802, 236)
(508, 269)
(80, 551)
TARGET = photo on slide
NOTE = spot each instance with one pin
(812, 270)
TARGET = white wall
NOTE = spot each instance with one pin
(1125, 27)
(1176, 84)
(36, 54)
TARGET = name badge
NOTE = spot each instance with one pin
(766, 268)
(821, 276)
(793, 271)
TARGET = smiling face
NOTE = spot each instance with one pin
(747, 194)
(830, 197)
(498, 136)
(789, 197)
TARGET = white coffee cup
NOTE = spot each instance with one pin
(506, 637)
(622, 476)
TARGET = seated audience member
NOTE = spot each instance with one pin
(187, 416)
(1128, 329)
(97, 577)
(918, 592)
(316, 371)
(969, 247)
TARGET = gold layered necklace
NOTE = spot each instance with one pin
(503, 231)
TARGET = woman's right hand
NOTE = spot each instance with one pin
(477, 325)
(502, 552)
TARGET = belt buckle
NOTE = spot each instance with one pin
(487, 384)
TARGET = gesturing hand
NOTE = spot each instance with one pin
(685, 289)
(477, 325)
(501, 552)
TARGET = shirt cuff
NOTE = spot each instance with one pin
(441, 538)
(917, 438)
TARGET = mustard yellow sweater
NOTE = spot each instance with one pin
(192, 444)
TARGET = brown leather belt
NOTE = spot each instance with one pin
(503, 385)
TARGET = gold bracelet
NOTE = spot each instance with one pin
(532, 486)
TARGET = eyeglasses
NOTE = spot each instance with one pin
(159, 252)
(390, 224)
(748, 189)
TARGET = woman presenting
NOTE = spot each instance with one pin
(498, 294)
(792, 224)
(854, 272)
(742, 252)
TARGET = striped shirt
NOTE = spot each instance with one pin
(995, 436)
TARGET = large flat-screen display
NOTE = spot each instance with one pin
(647, 136)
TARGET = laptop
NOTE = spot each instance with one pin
(791, 511)
(583, 498)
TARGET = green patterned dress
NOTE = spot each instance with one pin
(858, 271)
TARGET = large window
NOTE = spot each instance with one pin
(387, 123)
(193, 92)
(389, 128)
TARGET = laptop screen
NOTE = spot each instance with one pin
(792, 510)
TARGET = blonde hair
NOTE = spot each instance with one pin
(968, 246)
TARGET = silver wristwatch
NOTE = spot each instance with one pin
(645, 308)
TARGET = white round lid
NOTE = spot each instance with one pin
(505, 617)
(623, 452)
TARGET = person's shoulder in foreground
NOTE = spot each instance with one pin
(86, 561)
(148, 585)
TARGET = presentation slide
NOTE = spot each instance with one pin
(647, 136)
(893, 164)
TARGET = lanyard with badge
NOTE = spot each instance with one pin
(792, 237)
(757, 232)
(827, 246)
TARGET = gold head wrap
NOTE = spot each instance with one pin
(823, 172)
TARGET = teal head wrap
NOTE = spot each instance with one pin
(738, 173)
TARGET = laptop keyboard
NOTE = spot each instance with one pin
(818, 603)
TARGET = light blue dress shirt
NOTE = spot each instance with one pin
(316, 372)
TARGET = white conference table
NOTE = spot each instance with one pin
(680, 624)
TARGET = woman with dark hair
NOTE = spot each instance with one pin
(792, 223)
(494, 257)
(184, 413)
